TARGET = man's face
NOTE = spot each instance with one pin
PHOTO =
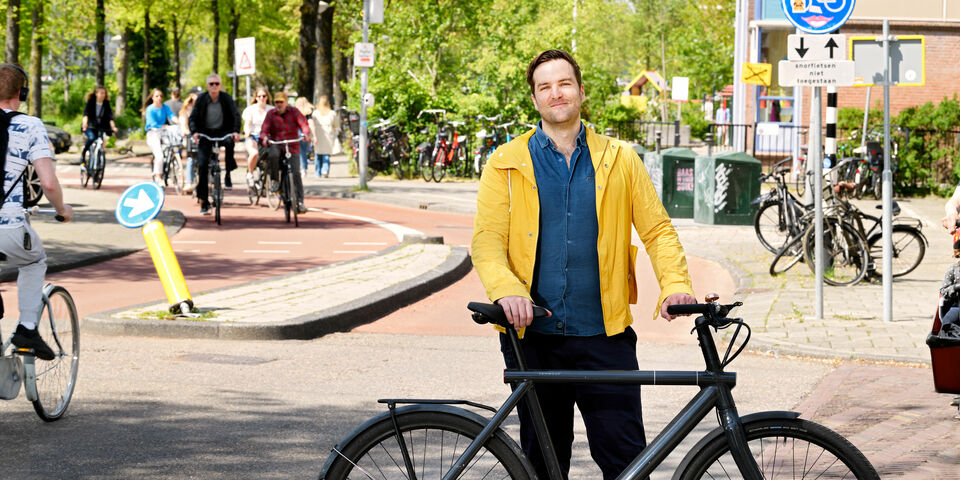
(281, 106)
(556, 94)
(213, 86)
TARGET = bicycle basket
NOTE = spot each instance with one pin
(944, 358)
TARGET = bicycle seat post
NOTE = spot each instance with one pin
(514, 340)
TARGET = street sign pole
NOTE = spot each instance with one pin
(887, 183)
(362, 164)
(815, 157)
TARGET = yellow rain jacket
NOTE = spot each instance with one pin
(506, 227)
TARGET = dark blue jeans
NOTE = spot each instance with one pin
(611, 413)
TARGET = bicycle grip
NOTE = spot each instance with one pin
(689, 309)
(60, 218)
(493, 313)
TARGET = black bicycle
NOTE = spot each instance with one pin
(435, 439)
(216, 187)
(93, 163)
(288, 185)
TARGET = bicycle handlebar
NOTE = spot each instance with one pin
(508, 124)
(47, 211)
(492, 119)
(219, 139)
(432, 110)
(282, 142)
(382, 123)
(492, 313)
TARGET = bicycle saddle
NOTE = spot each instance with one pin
(894, 209)
(492, 313)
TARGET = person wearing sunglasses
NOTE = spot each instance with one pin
(252, 121)
(215, 114)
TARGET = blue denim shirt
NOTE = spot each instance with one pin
(566, 277)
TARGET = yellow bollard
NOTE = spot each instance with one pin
(167, 267)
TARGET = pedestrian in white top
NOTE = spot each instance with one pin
(252, 122)
(325, 126)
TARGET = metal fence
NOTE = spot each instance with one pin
(648, 133)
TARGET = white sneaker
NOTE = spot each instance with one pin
(251, 182)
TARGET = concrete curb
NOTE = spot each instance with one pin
(779, 347)
(335, 319)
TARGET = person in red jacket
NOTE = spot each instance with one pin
(284, 123)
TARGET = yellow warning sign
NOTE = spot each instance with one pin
(757, 73)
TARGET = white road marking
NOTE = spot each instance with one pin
(194, 242)
(186, 251)
(266, 251)
(364, 243)
(280, 243)
(354, 251)
(398, 230)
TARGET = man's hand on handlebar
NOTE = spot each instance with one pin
(950, 223)
(518, 310)
(236, 137)
(66, 213)
(675, 299)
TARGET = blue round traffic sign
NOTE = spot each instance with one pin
(139, 204)
(817, 16)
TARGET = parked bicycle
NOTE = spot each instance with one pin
(434, 439)
(93, 164)
(216, 187)
(49, 385)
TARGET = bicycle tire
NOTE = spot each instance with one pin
(905, 239)
(770, 226)
(397, 165)
(217, 197)
(292, 195)
(177, 175)
(428, 434)
(846, 253)
(99, 166)
(56, 379)
(438, 169)
(84, 166)
(787, 256)
(426, 164)
(877, 187)
(825, 454)
(801, 184)
(462, 167)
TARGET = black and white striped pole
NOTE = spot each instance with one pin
(830, 142)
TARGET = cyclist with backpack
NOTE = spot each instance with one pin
(24, 141)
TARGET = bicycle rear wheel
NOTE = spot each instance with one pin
(59, 326)
(426, 164)
(845, 253)
(85, 167)
(292, 196)
(100, 163)
(784, 448)
(438, 169)
(216, 192)
(787, 256)
(434, 441)
(908, 250)
(771, 226)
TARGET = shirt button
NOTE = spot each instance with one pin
(599, 187)
(530, 234)
(559, 325)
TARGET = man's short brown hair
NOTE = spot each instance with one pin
(553, 55)
(12, 79)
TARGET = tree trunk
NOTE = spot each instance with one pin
(307, 60)
(123, 62)
(36, 64)
(146, 55)
(13, 31)
(101, 21)
(340, 75)
(176, 53)
(325, 55)
(231, 46)
(215, 6)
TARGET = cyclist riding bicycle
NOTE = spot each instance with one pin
(27, 144)
(97, 120)
(284, 123)
(215, 115)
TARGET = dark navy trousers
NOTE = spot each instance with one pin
(611, 413)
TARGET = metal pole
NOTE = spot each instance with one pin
(738, 111)
(887, 183)
(815, 158)
(866, 115)
(362, 167)
(248, 88)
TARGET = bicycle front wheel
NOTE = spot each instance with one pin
(99, 165)
(217, 192)
(908, 250)
(434, 440)
(845, 255)
(59, 326)
(785, 448)
(426, 164)
(771, 227)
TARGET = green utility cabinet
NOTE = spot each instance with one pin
(725, 186)
(672, 173)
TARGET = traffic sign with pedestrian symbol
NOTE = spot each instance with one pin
(139, 204)
(816, 47)
(817, 16)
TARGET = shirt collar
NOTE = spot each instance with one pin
(545, 142)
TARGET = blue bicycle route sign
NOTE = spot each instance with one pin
(139, 204)
(817, 16)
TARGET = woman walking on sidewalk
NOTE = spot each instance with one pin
(325, 127)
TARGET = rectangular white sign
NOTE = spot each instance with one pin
(363, 54)
(245, 61)
(817, 73)
(816, 47)
(680, 89)
(376, 11)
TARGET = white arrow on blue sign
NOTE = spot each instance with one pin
(818, 16)
(139, 204)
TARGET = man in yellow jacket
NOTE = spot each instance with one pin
(553, 228)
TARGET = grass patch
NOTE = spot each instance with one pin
(166, 315)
